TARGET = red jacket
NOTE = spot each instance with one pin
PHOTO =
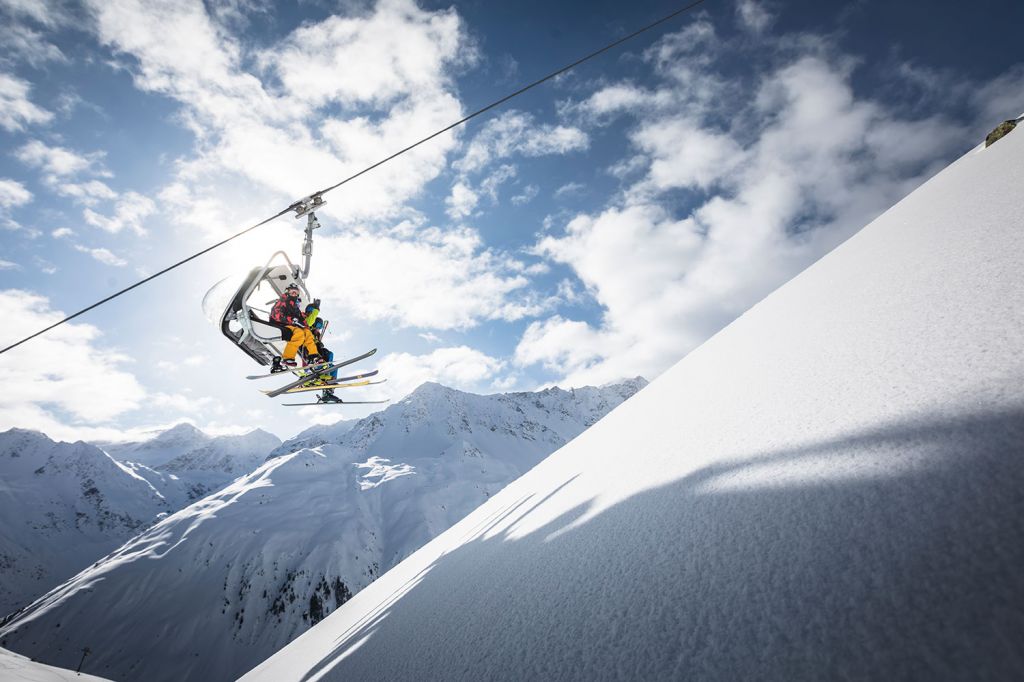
(286, 311)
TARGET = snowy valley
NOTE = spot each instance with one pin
(67, 504)
(280, 548)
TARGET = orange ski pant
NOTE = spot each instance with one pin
(300, 337)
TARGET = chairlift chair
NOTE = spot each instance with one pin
(245, 319)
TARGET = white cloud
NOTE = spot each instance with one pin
(45, 12)
(62, 232)
(399, 49)
(461, 202)
(777, 180)
(16, 110)
(131, 209)
(430, 337)
(8, 265)
(102, 255)
(183, 404)
(45, 266)
(492, 182)
(518, 133)
(19, 42)
(753, 16)
(13, 193)
(58, 162)
(569, 189)
(434, 279)
(458, 367)
(340, 94)
(681, 153)
(89, 193)
(64, 370)
(60, 166)
(526, 196)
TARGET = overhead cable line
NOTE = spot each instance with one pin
(478, 112)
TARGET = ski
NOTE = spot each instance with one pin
(317, 373)
(354, 377)
(333, 383)
(343, 402)
(294, 370)
(321, 387)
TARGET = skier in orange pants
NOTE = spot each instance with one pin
(286, 311)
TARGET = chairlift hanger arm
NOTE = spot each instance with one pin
(306, 207)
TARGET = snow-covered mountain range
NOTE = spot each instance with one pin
(828, 489)
(220, 585)
(64, 505)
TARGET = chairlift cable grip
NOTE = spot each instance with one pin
(306, 207)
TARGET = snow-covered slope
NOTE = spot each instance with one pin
(314, 436)
(830, 488)
(186, 464)
(219, 586)
(65, 505)
(161, 448)
(14, 667)
(233, 455)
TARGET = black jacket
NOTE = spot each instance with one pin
(286, 311)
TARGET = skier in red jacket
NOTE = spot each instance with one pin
(286, 311)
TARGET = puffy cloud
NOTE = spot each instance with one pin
(753, 16)
(40, 391)
(518, 133)
(60, 166)
(20, 42)
(89, 193)
(526, 196)
(400, 50)
(768, 183)
(459, 367)
(131, 209)
(102, 255)
(461, 201)
(435, 280)
(310, 117)
(45, 12)
(58, 162)
(13, 193)
(16, 110)
(8, 265)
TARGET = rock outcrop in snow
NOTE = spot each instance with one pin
(829, 488)
(227, 581)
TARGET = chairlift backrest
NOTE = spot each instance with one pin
(246, 319)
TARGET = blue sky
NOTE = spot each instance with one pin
(599, 227)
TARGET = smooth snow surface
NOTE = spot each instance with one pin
(14, 667)
(830, 488)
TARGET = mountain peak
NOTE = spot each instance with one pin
(182, 429)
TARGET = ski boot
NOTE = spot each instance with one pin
(327, 396)
(276, 366)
